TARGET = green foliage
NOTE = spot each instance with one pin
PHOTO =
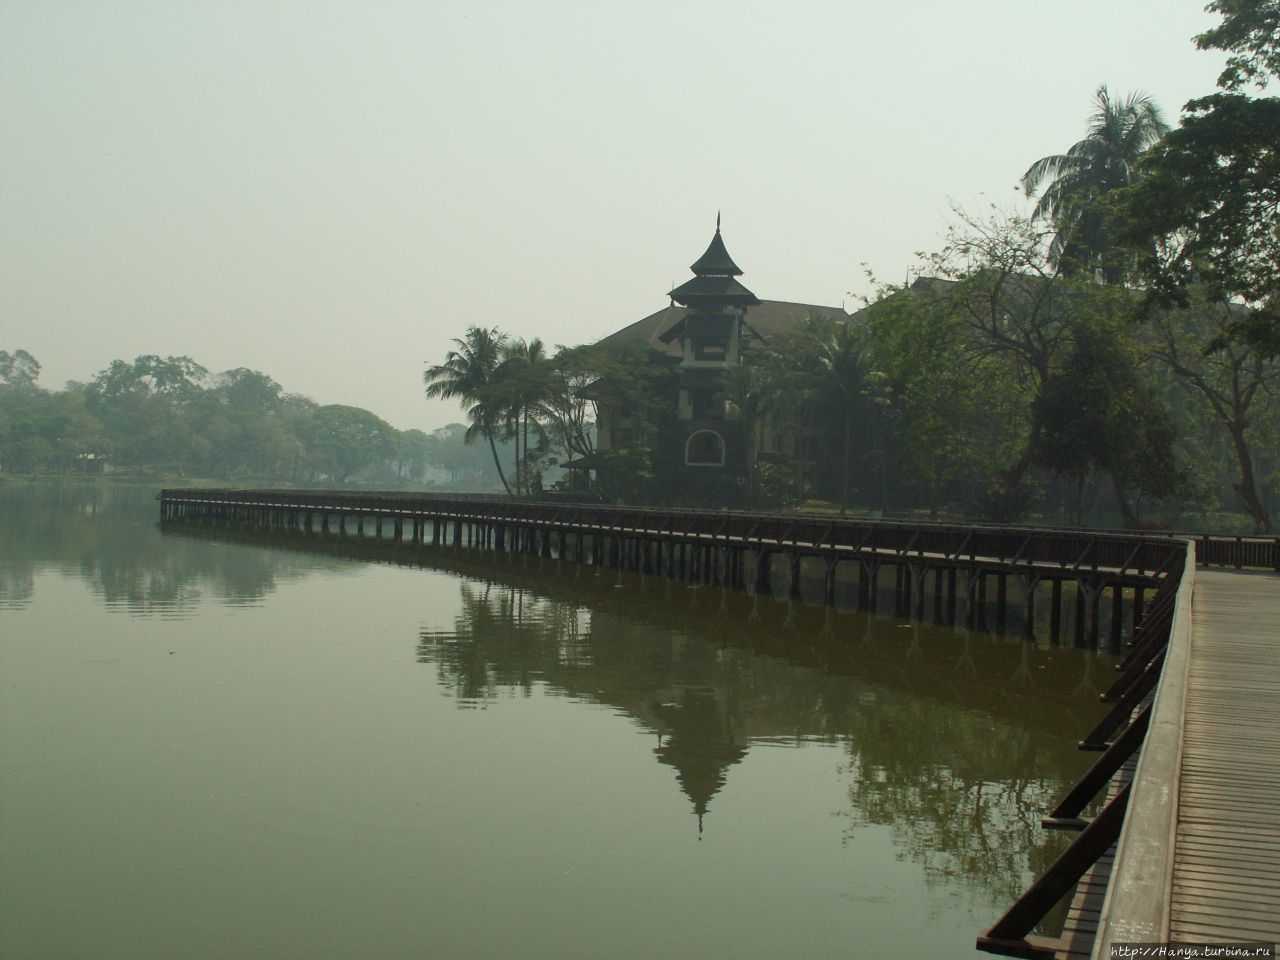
(168, 415)
(626, 475)
(18, 370)
(342, 441)
(1099, 414)
(1233, 379)
(775, 486)
(1204, 216)
(938, 396)
(1076, 181)
(1250, 32)
(468, 374)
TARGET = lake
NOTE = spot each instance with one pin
(222, 743)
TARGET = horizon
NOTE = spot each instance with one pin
(330, 194)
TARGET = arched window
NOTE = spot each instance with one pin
(704, 449)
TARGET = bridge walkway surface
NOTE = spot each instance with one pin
(1226, 857)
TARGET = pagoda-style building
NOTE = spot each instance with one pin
(703, 444)
(710, 335)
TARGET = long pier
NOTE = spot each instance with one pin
(1191, 741)
(1094, 584)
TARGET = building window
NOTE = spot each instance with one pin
(704, 449)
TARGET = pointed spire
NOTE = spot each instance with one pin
(716, 262)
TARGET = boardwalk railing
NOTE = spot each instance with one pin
(1078, 550)
(1214, 550)
(1137, 726)
(937, 567)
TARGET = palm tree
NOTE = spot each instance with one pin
(469, 374)
(842, 377)
(524, 381)
(1119, 132)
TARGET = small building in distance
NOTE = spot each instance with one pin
(700, 439)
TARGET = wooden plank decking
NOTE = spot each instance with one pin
(1226, 865)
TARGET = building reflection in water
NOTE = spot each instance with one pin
(956, 741)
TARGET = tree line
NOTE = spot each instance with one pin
(170, 415)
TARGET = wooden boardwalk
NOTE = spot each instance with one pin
(1226, 858)
(1198, 859)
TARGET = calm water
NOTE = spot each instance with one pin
(221, 745)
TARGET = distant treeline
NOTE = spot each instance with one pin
(169, 415)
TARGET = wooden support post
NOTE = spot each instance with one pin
(916, 574)
(951, 596)
(1139, 611)
(982, 601)
(1117, 616)
(1055, 612)
(969, 579)
(764, 560)
(1002, 601)
(1081, 614)
(829, 582)
(939, 575)
(794, 591)
(1094, 600)
(1029, 584)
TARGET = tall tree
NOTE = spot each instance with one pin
(522, 384)
(1074, 182)
(468, 374)
(568, 408)
(947, 404)
(1099, 413)
(342, 441)
(18, 370)
(843, 383)
(1205, 215)
(1250, 32)
(996, 278)
(1234, 378)
(147, 409)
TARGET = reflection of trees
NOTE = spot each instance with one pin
(957, 762)
(941, 781)
(105, 535)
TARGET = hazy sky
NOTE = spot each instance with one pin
(329, 192)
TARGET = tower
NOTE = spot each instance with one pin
(710, 334)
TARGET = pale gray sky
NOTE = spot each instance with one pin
(328, 192)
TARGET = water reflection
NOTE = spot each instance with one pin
(957, 741)
(941, 747)
(91, 531)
